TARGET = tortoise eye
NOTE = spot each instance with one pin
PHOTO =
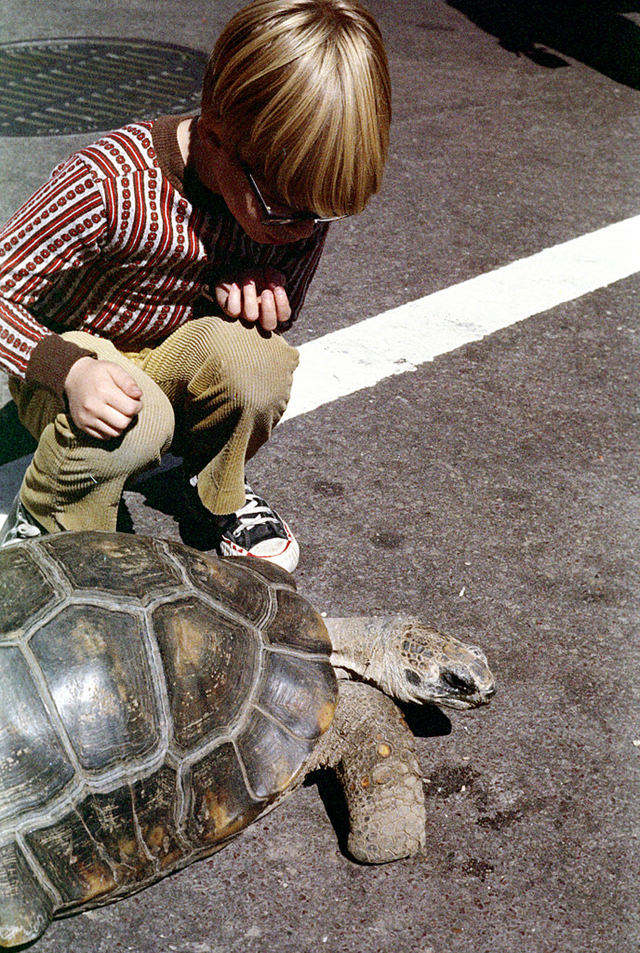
(412, 677)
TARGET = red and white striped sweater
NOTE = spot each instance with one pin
(123, 243)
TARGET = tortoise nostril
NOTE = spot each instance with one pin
(465, 686)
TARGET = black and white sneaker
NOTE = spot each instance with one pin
(19, 524)
(253, 530)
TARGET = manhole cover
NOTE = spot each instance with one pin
(63, 86)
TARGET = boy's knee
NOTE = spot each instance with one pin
(261, 384)
(254, 369)
(150, 436)
(139, 448)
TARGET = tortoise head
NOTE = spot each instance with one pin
(421, 665)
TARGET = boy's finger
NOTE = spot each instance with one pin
(88, 429)
(268, 314)
(233, 305)
(250, 309)
(112, 422)
(96, 426)
(123, 406)
(222, 295)
(283, 308)
(125, 382)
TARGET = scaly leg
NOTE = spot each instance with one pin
(374, 755)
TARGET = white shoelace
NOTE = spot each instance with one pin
(254, 513)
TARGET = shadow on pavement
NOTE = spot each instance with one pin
(163, 490)
(335, 804)
(426, 721)
(596, 32)
(15, 441)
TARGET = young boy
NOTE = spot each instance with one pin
(144, 286)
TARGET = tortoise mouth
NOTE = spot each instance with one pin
(461, 690)
(449, 689)
(462, 701)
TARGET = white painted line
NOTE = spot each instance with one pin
(400, 340)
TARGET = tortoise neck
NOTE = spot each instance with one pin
(359, 644)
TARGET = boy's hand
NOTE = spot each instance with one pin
(256, 296)
(103, 399)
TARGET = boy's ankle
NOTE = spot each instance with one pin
(254, 530)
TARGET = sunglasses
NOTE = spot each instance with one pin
(277, 218)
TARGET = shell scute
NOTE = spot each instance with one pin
(72, 860)
(298, 625)
(221, 804)
(299, 693)
(226, 582)
(94, 663)
(24, 591)
(210, 663)
(135, 826)
(262, 567)
(112, 563)
(272, 757)
(34, 766)
(109, 822)
(156, 807)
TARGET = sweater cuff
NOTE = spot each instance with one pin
(51, 360)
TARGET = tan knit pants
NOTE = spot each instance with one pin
(212, 391)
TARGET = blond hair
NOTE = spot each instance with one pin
(303, 88)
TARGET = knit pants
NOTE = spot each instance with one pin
(211, 392)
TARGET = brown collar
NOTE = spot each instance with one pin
(164, 134)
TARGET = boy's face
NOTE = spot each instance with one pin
(221, 170)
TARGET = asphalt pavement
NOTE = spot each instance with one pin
(493, 491)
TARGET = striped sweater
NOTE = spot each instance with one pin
(123, 242)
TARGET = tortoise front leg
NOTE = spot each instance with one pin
(375, 761)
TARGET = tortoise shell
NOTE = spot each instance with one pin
(153, 702)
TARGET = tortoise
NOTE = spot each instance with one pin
(155, 700)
